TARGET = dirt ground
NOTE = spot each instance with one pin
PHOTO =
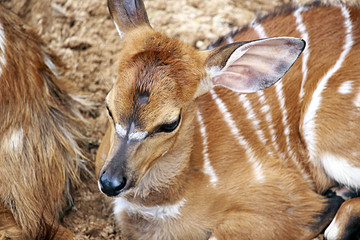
(83, 35)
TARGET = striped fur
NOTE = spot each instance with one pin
(256, 159)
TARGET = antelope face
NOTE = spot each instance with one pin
(146, 105)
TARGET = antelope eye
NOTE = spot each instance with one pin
(169, 127)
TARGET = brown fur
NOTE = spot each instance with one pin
(165, 168)
(40, 127)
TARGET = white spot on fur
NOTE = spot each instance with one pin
(229, 39)
(357, 100)
(212, 238)
(155, 213)
(309, 125)
(332, 231)
(236, 133)
(259, 172)
(214, 70)
(15, 141)
(306, 53)
(346, 87)
(208, 169)
(341, 170)
(2, 49)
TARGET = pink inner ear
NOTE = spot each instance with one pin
(259, 64)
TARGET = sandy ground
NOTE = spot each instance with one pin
(83, 35)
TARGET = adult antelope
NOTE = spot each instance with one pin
(196, 149)
(39, 128)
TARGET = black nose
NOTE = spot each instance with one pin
(111, 185)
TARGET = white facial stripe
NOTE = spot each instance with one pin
(120, 130)
(137, 136)
(133, 136)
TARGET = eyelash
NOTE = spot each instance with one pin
(169, 127)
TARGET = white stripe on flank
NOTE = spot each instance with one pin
(235, 131)
(265, 108)
(346, 87)
(2, 49)
(309, 125)
(281, 98)
(259, 29)
(251, 115)
(306, 53)
(208, 169)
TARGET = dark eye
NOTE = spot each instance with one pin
(169, 127)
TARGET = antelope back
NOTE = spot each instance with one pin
(39, 130)
(318, 99)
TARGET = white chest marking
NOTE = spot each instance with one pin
(156, 212)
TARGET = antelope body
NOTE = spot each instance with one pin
(39, 130)
(186, 158)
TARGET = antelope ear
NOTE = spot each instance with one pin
(127, 14)
(250, 66)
